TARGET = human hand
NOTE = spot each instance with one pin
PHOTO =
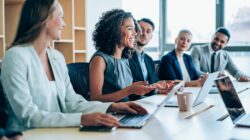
(202, 79)
(127, 107)
(98, 119)
(243, 79)
(3, 138)
(140, 88)
(221, 74)
(164, 86)
(164, 91)
(18, 137)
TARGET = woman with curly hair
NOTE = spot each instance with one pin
(35, 78)
(110, 75)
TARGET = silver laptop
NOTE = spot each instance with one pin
(201, 96)
(232, 102)
(138, 121)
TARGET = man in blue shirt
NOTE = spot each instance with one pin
(141, 64)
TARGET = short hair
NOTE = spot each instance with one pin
(147, 20)
(224, 31)
(107, 33)
(185, 31)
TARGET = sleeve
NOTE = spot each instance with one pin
(16, 87)
(75, 102)
(166, 70)
(196, 75)
(232, 68)
(195, 54)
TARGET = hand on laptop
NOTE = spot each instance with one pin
(99, 119)
(127, 107)
(243, 79)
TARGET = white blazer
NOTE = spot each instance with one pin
(27, 91)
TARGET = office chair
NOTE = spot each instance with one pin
(3, 108)
(79, 77)
(156, 63)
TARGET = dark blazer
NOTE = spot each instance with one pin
(169, 68)
(137, 72)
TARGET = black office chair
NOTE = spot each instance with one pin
(156, 63)
(3, 108)
(79, 77)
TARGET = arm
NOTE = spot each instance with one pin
(196, 75)
(232, 69)
(197, 83)
(14, 79)
(195, 54)
(96, 76)
(75, 102)
(166, 70)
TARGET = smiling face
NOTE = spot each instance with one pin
(219, 41)
(55, 23)
(128, 33)
(183, 41)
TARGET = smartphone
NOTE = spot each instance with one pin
(97, 128)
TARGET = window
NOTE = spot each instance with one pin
(237, 20)
(148, 9)
(195, 15)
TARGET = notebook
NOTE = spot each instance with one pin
(138, 121)
(232, 102)
(201, 96)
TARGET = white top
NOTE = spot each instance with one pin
(29, 92)
(184, 71)
(54, 106)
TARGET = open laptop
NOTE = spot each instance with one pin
(232, 102)
(138, 121)
(201, 96)
(239, 87)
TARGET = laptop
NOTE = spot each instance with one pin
(239, 87)
(232, 102)
(201, 96)
(138, 121)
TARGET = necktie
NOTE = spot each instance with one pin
(212, 62)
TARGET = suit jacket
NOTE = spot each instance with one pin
(137, 72)
(27, 91)
(202, 60)
(169, 68)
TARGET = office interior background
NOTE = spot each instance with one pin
(202, 17)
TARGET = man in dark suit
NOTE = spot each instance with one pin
(141, 64)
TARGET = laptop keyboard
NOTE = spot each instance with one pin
(134, 121)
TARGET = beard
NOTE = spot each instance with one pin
(140, 44)
(215, 47)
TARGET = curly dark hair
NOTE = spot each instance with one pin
(108, 34)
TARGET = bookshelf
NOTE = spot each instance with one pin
(73, 41)
(2, 39)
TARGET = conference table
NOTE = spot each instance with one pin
(167, 124)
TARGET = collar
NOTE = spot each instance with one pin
(138, 53)
(211, 51)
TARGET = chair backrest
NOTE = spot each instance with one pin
(79, 77)
(156, 63)
(3, 108)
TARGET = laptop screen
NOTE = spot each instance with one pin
(230, 97)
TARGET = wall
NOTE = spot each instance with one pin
(94, 9)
